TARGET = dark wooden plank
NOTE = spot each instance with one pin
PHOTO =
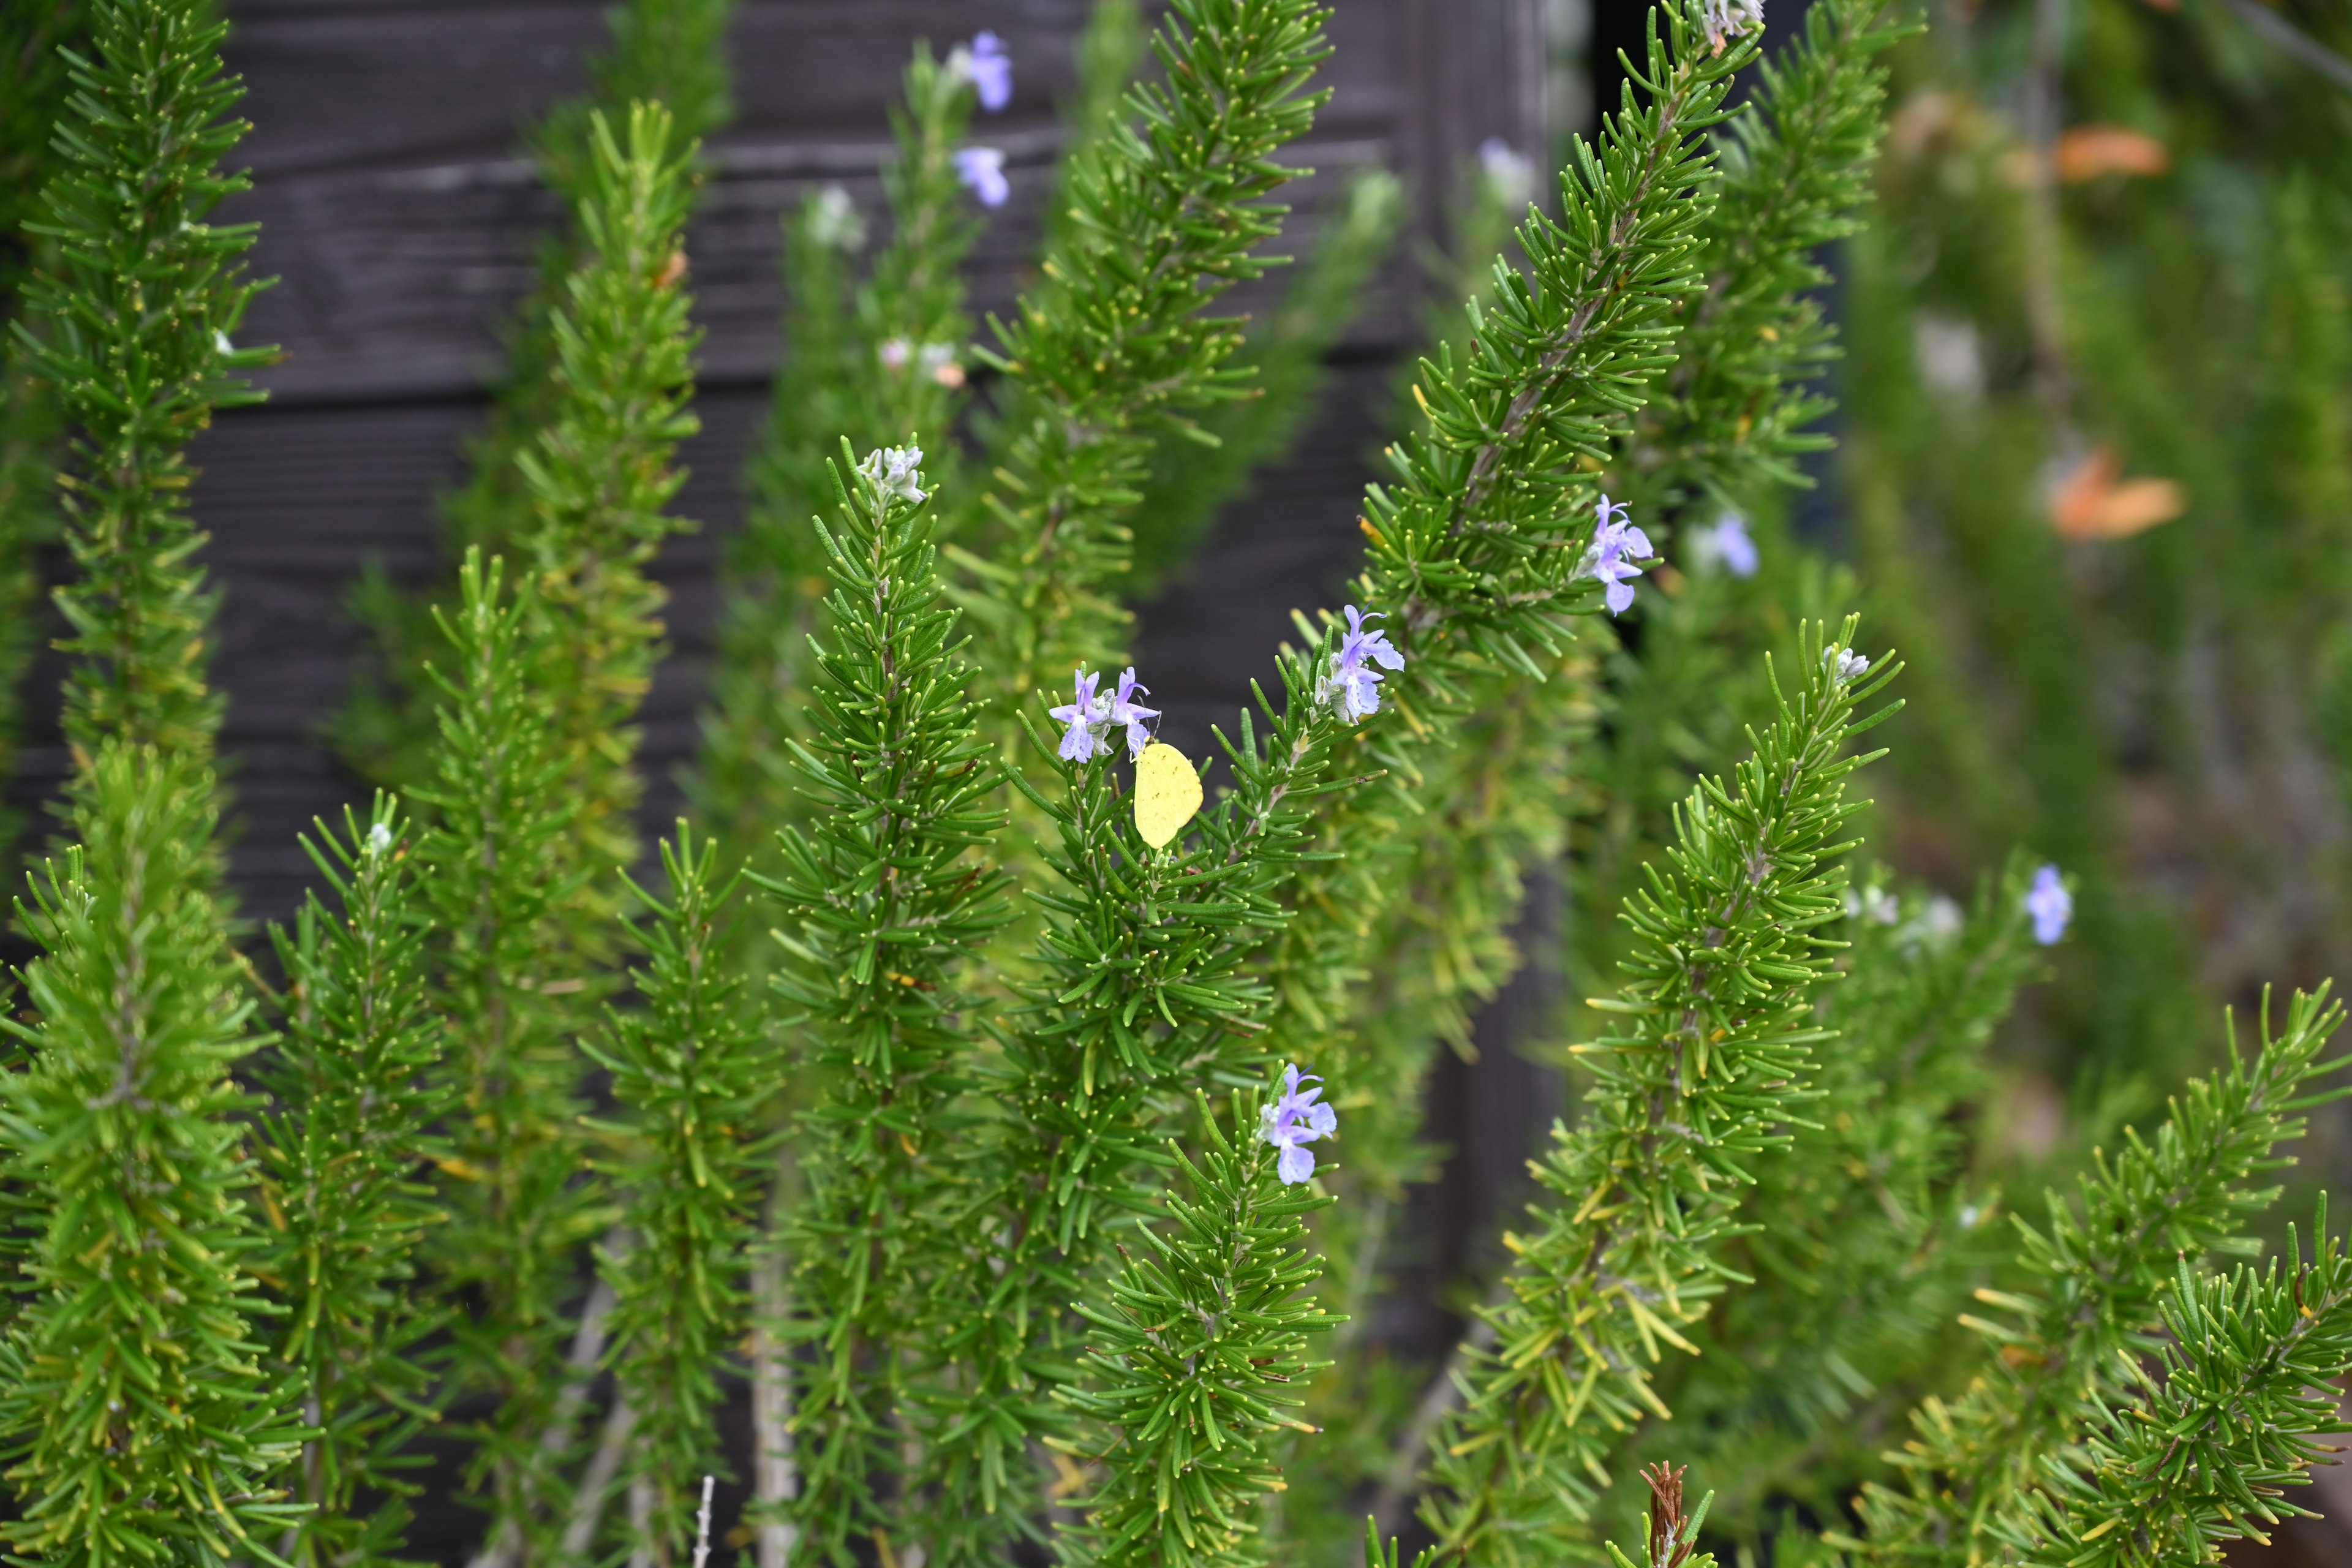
(403, 226)
(396, 285)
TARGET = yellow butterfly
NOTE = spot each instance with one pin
(1167, 792)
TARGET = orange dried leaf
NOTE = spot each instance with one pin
(2094, 501)
(2087, 151)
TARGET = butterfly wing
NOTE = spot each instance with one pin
(1167, 792)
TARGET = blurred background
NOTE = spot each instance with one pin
(2092, 471)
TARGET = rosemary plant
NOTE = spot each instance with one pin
(138, 322)
(342, 1159)
(994, 1169)
(142, 1423)
(692, 1070)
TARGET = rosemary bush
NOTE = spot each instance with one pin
(1015, 1104)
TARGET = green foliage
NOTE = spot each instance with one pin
(1976, 1464)
(1140, 991)
(884, 893)
(498, 875)
(1477, 554)
(601, 470)
(838, 379)
(141, 1424)
(1167, 213)
(32, 85)
(341, 1157)
(1730, 421)
(2227, 1421)
(1711, 1051)
(2083, 692)
(1411, 932)
(1199, 1348)
(1190, 483)
(671, 52)
(691, 1072)
(227, 1340)
(138, 316)
(1866, 1237)
(665, 53)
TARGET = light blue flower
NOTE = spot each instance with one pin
(898, 470)
(1125, 711)
(1609, 559)
(2050, 904)
(1295, 1120)
(1087, 718)
(986, 65)
(981, 170)
(1353, 687)
(1727, 544)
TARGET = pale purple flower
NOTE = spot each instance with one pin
(2050, 904)
(1727, 544)
(1844, 663)
(832, 220)
(1728, 19)
(985, 64)
(1125, 711)
(1295, 1120)
(1087, 718)
(1351, 687)
(895, 352)
(1616, 546)
(1509, 173)
(981, 170)
(897, 469)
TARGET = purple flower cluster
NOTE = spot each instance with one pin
(1295, 1120)
(981, 170)
(1350, 686)
(2050, 904)
(1092, 716)
(985, 64)
(1616, 546)
(898, 471)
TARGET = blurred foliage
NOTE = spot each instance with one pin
(2158, 702)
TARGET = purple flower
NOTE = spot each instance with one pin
(1295, 1120)
(1351, 687)
(1616, 543)
(898, 470)
(1727, 544)
(981, 170)
(1125, 711)
(1087, 718)
(2050, 904)
(1509, 172)
(988, 68)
